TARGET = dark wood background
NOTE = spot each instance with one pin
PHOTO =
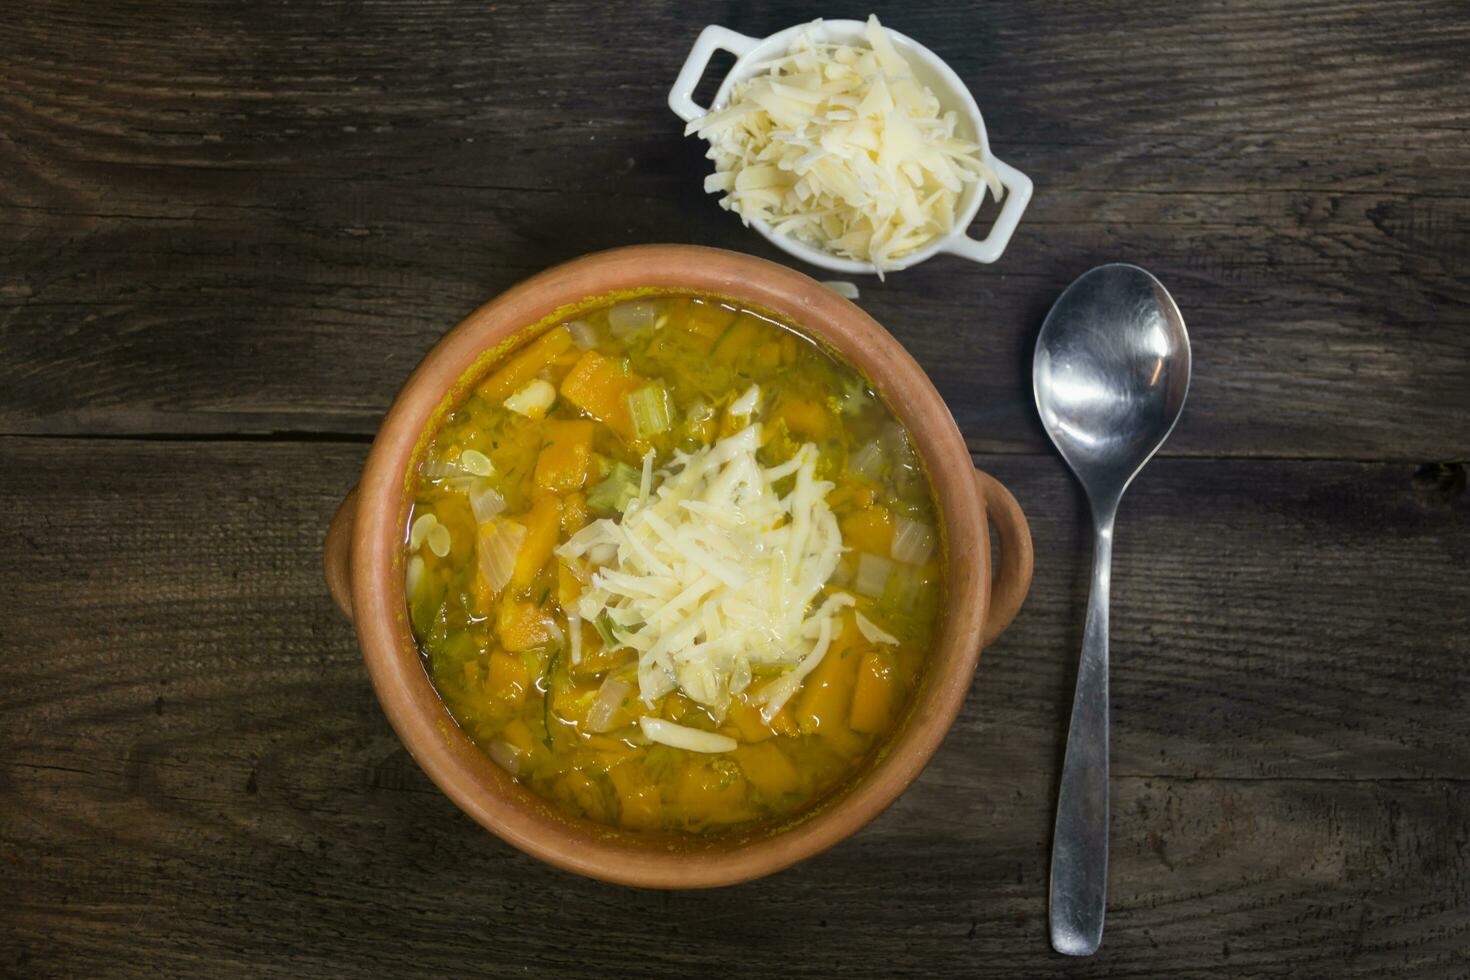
(228, 230)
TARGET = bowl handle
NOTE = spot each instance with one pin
(1011, 579)
(989, 248)
(711, 39)
(337, 553)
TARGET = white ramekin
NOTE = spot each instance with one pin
(752, 53)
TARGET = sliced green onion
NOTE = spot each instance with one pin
(649, 407)
(422, 525)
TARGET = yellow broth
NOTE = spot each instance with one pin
(499, 658)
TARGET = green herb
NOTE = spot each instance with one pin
(546, 697)
(607, 629)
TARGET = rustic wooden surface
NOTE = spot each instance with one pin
(228, 231)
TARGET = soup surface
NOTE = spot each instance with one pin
(674, 567)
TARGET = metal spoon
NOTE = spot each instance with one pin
(1110, 376)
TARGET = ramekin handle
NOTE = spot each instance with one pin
(989, 248)
(711, 39)
(337, 553)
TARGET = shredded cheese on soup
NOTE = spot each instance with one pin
(714, 575)
(841, 147)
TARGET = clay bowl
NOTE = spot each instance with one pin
(365, 567)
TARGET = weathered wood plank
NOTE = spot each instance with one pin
(193, 768)
(233, 223)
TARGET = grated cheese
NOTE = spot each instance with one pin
(711, 575)
(841, 147)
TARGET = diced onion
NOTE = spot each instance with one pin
(584, 334)
(499, 543)
(867, 462)
(913, 541)
(872, 574)
(476, 462)
(604, 708)
(506, 756)
(682, 737)
(872, 632)
(626, 318)
(486, 502)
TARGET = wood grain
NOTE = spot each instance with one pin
(193, 768)
(223, 221)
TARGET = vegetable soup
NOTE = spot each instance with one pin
(674, 567)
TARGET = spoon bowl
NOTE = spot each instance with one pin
(1110, 375)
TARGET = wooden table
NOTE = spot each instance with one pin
(231, 229)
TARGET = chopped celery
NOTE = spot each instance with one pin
(615, 491)
(649, 407)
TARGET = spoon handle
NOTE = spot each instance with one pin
(1079, 854)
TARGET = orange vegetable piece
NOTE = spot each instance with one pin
(805, 417)
(521, 625)
(568, 587)
(705, 319)
(508, 679)
(746, 719)
(827, 693)
(600, 387)
(525, 365)
(869, 529)
(573, 513)
(711, 793)
(638, 800)
(565, 452)
(597, 659)
(542, 522)
(873, 694)
(767, 768)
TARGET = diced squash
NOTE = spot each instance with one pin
(578, 788)
(517, 734)
(768, 768)
(638, 799)
(706, 320)
(508, 679)
(870, 529)
(873, 693)
(807, 418)
(525, 365)
(597, 659)
(571, 701)
(565, 453)
(827, 693)
(712, 793)
(521, 625)
(568, 587)
(599, 386)
(746, 719)
(573, 514)
(542, 523)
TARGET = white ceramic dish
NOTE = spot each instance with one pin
(751, 53)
